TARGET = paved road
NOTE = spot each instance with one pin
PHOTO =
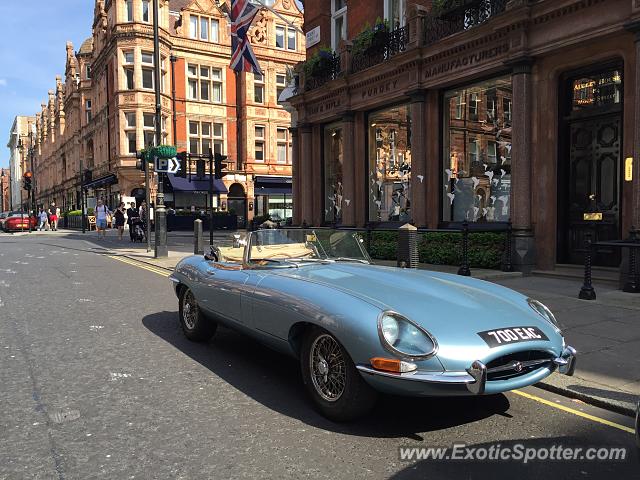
(97, 381)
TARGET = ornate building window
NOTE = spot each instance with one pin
(395, 12)
(145, 11)
(204, 136)
(259, 143)
(389, 185)
(333, 162)
(258, 88)
(128, 69)
(147, 71)
(286, 38)
(283, 145)
(477, 152)
(130, 132)
(204, 83)
(129, 10)
(281, 84)
(204, 28)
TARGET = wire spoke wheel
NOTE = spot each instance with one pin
(328, 369)
(189, 310)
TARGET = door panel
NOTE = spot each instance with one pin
(593, 187)
(221, 290)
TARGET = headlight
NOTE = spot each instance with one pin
(542, 310)
(402, 337)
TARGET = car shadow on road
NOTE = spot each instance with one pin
(274, 380)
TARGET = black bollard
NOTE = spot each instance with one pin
(633, 282)
(508, 262)
(464, 269)
(198, 241)
(587, 291)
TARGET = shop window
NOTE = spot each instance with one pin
(389, 184)
(333, 162)
(477, 153)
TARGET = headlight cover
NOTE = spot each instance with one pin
(542, 310)
(402, 337)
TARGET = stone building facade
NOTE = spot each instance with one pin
(485, 111)
(20, 140)
(102, 111)
(5, 189)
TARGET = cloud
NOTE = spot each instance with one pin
(3, 82)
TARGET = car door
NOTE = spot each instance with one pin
(222, 286)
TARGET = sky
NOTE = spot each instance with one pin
(32, 52)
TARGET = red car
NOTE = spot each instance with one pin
(17, 221)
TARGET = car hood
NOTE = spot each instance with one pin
(451, 307)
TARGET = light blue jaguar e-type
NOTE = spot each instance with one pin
(358, 328)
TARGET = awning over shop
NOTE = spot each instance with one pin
(196, 185)
(264, 185)
(110, 179)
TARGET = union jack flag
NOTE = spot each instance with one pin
(243, 59)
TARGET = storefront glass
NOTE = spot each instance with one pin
(333, 157)
(390, 165)
(477, 152)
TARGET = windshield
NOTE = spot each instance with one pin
(298, 246)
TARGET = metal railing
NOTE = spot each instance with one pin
(460, 15)
(330, 70)
(385, 45)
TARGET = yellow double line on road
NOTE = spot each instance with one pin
(593, 418)
(144, 266)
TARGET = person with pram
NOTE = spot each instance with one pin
(137, 231)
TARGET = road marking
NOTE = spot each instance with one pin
(593, 418)
(142, 265)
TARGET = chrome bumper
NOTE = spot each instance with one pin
(475, 377)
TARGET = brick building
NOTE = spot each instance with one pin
(5, 189)
(487, 111)
(20, 140)
(102, 111)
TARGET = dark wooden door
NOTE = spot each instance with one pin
(594, 198)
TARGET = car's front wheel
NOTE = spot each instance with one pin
(335, 385)
(195, 325)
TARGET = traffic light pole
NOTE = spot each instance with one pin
(160, 216)
(84, 218)
(211, 176)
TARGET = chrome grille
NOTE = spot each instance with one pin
(516, 364)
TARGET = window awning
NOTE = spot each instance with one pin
(196, 185)
(264, 185)
(110, 179)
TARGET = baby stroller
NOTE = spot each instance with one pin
(137, 230)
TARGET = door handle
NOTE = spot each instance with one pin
(211, 271)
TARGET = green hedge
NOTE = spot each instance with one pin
(485, 249)
(77, 213)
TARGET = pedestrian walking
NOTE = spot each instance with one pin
(102, 212)
(42, 218)
(119, 214)
(143, 212)
(53, 216)
(132, 212)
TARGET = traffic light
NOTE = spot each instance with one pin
(141, 162)
(27, 179)
(200, 168)
(183, 158)
(219, 165)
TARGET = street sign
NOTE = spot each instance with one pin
(167, 165)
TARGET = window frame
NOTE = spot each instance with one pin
(338, 14)
(261, 85)
(259, 140)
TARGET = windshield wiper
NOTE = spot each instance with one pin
(349, 259)
(312, 260)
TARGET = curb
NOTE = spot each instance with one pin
(136, 259)
(615, 407)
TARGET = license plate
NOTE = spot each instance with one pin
(505, 336)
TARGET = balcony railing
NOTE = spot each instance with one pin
(326, 69)
(385, 45)
(460, 15)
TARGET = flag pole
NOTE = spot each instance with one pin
(238, 120)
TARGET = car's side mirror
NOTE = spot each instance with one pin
(213, 255)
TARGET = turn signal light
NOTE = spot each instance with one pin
(392, 365)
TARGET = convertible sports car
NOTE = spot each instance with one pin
(358, 329)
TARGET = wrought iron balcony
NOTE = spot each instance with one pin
(385, 44)
(326, 67)
(459, 15)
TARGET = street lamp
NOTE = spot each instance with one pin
(2, 175)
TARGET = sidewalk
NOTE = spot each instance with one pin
(605, 332)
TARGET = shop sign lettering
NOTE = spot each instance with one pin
(324, 107)
(466, 60)
(376, 90)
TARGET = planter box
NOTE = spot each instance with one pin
(185, 222)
